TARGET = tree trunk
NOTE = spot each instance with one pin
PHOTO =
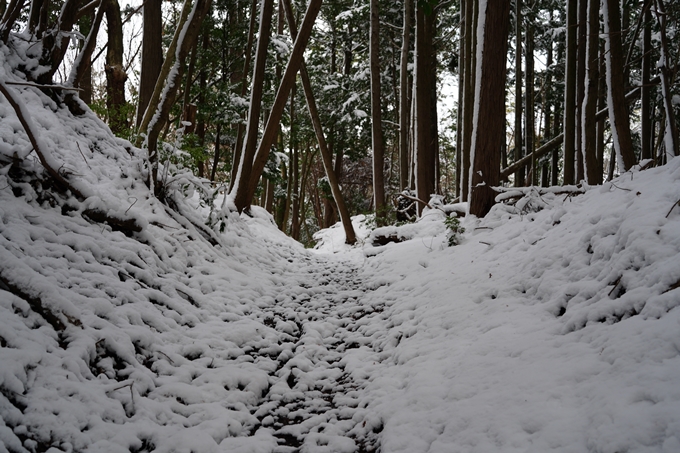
(114, 69)
(530, 121)
(471, 16)
(618, 109)
(157, 112)
(152, 55)
(350, 235)
(570, 93)
(519, 137)
(81, 72)
(236, 161)
(601, 104)
(671, 139)
(404, 104)
(424, 138)
(589, 108)
(216, 159)
(376, 117)
(581, 87)
(245, 187)
(646, 118)
(490, 108)
(464, 4)
(244, 172)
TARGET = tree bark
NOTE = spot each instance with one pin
(245, 187)
(490, 108)
(464, 4)
(519, 137)
(671, 139)
(236, 162)
(404, 105)
(618, 110)
(327, 159)
(589, 107)
(245, 167)
(152, 55)
(581, 87)
(471, 15)
(570, 93)
(425, 141)
(646, 119)
(114, 69)
(376, 117)
(82, 66)
(530, 121)
(157, 112)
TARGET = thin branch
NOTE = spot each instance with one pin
(677, 203)
(37, 85)
(418, 200)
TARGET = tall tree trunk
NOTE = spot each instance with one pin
(519, 137)
(327, 159)
(570, 93)
(114, 69)
(152, 55)
(547, 100)
(671, 139)
(376, 117)
(471, 15)
(530, 121)
(646, 118)
(601, 104)
(618, 109)
(244, 171)
(81, 72)
(581, 86)
(490, 108)
(589, 108)
(156, 114)
(245, 188)
(216, 159)
(425, 140)
(236, 161)
(404, 104)
(464, 4)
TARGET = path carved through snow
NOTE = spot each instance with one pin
(326, 334)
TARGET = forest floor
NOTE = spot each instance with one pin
(554, 325)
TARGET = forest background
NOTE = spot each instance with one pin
(212, 86)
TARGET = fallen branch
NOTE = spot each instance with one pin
(51, 87)
(418, 200)
(54, 169)
(35, 304)
(43, 155)
(677, 203)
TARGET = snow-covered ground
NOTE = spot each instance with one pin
(553, 326)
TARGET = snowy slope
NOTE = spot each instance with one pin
(179, 337)
(556, 330)
(553, 326)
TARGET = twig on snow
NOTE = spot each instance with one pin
(677, 203)
(81, 153)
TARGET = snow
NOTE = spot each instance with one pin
(552, 326)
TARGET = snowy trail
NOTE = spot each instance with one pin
(313, 403)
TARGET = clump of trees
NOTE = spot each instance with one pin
(321, 110)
